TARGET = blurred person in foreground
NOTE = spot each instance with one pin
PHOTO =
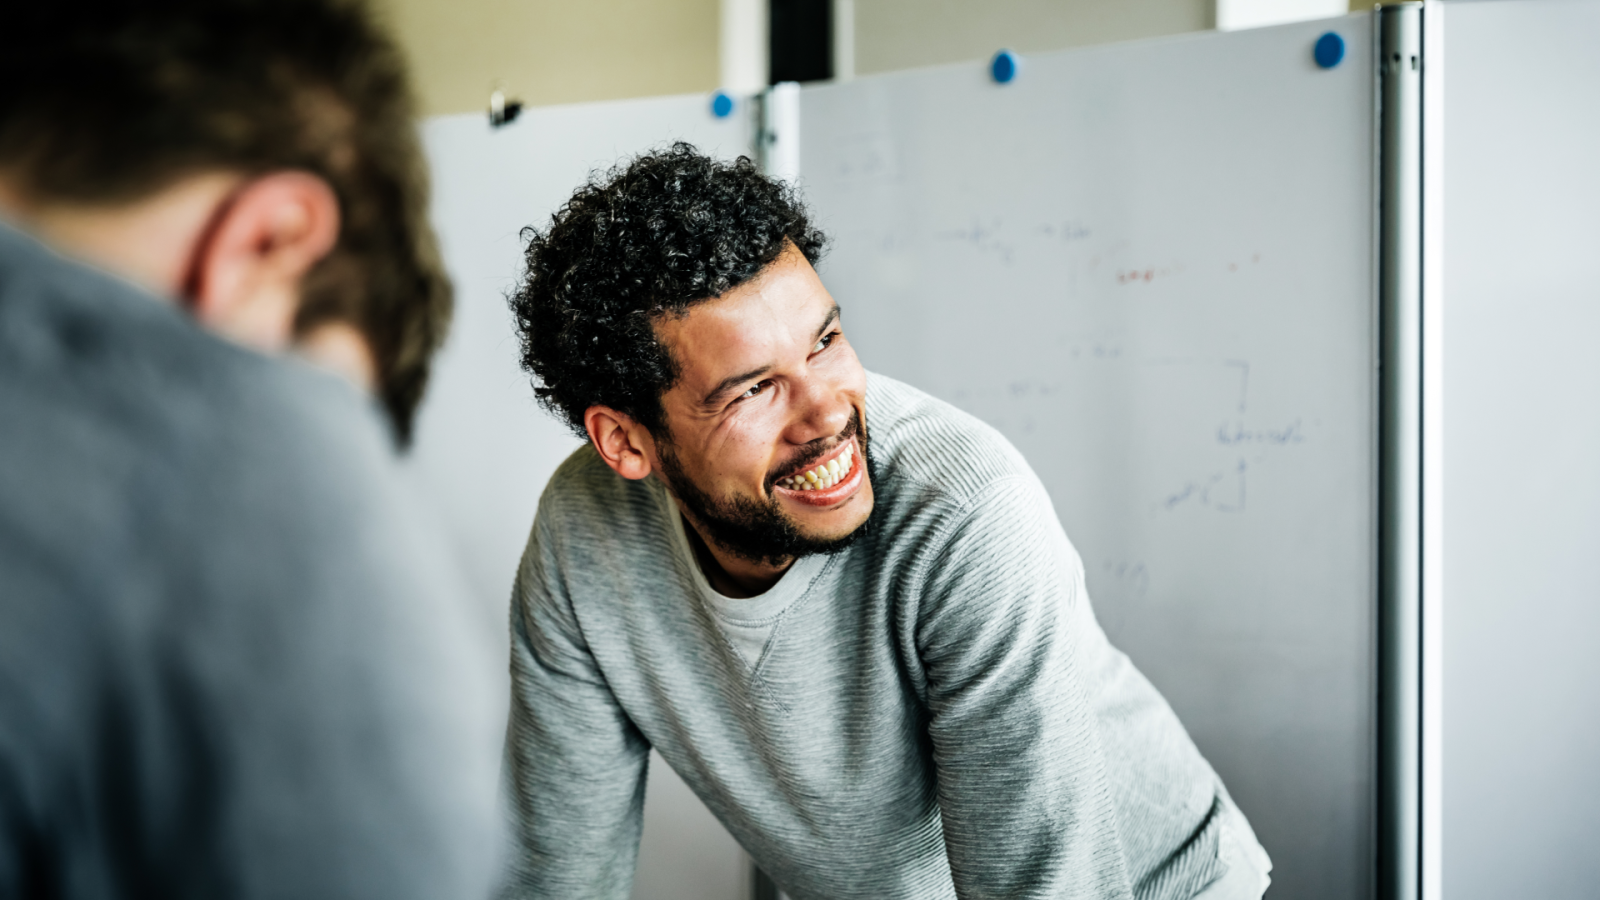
(233, 660)
(843, 611)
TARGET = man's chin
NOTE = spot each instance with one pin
(781, 538)
(822, 543)
(829, 535)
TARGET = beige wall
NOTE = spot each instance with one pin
(899, 34)
(568, 51)
(554, 51)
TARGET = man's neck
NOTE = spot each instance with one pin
(732, 575)
(146, 241)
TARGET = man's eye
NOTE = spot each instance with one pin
(754, 390)
(823, 342)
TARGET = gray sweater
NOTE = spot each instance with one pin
(933, 712)
(234, 661)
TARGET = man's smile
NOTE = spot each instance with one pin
(828, 481)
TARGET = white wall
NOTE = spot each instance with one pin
(1521, 620)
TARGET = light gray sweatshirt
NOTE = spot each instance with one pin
(933, 712)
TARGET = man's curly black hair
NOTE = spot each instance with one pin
(649, 238)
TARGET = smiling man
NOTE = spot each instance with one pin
(842, 610)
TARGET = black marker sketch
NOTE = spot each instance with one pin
(1230, 434)
(1066, 231)
(1242, 365)
(986, 238)
(1222, 491)
(1136, 575)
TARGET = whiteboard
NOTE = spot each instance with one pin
(484, 448)
(1521, 498)
(1151, 267)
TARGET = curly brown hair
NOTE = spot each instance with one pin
(109, 100)
(649, 238)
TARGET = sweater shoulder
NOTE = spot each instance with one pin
(584, 497)
(118, 397)
(82, 345)
(928, 449)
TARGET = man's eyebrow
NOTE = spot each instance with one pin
(733, 381)
(832, 317)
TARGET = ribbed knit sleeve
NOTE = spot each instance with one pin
(576, 763)
(1022, 783)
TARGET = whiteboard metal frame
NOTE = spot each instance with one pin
(1431, 784)
(1400, 439)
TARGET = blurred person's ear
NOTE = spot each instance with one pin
(244, 275)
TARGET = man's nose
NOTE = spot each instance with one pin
(820, 411)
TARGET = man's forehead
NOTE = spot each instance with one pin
(732, 322)
(756, 324)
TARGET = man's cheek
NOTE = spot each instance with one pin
(747, 457)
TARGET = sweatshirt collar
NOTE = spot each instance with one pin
(762, 608)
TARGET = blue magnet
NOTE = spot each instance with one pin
(1329, 51)
(1004, 67)
(721, 105)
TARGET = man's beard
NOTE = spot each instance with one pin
(757, 530)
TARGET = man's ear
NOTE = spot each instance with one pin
(244, 280)
(623, 443)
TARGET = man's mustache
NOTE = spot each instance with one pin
(817, 449)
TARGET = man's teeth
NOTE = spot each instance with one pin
(824, 476)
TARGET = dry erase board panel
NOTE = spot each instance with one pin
(1521, 535)
(484, 448)
(1150, 266)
